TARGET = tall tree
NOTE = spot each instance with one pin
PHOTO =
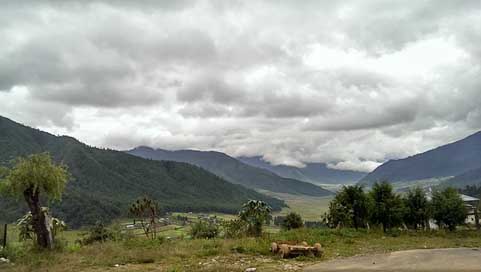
(448, 208)
(418, 209)
(30, 178)
(388, 208)
(255, 213)
(350, 207)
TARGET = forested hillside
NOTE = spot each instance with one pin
(233, 170)
(105, 182)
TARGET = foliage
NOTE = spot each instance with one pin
(418, 209)
(25, 226)
(388, 207)
(37, 173)
(187, 254)
(255, 213)
(448, 208)
(234, 228)
(146, 209)
(108, 181)
(97, 233)
(31, 178)
(292, 221)
(349, 208)
(204, 230)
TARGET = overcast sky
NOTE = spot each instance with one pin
(349, 83)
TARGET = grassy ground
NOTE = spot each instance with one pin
(310, 208)
(227, 255)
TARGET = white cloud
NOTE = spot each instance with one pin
(348, 83)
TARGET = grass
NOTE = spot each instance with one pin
(231, 254)
(310, 208)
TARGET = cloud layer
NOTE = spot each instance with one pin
(348, 83)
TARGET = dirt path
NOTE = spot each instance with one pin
(449, 259)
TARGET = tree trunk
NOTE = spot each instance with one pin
(40, 220)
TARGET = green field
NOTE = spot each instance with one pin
(310, 208)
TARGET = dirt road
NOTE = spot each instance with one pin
(450, 259)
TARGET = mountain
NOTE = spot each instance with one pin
(233, 170)
(449, 160)
(471, 177)
(105, 182)
(317, 173)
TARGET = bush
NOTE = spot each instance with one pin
(234, 228)
(204, 230)
(98, 233)
(292, 221)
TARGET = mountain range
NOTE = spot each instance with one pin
(317, 173)
(458, 163)
(105, 182)
(233, 170)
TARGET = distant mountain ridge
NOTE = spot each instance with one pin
(106, 182)
(461, 159)
(317, 173)
(233, 170)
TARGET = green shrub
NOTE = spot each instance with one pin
(292, 221)
(204, 230)
(234, 229)
(98, 233)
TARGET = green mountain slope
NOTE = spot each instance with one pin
(233, 170)
(105, 182)
(445, 161)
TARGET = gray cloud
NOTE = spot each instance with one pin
(348, 83)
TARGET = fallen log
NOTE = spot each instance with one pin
(287, 249)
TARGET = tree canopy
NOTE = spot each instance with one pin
(255, 213)
(448, 208)
(350, 207)
(418, 208)
(388, 209)
(37, 173)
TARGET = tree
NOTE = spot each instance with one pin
(25, 226)
(292, 221)
(31, 178)
(388, 208)
(418, 209)
(448, 208)
(350, 207)
(146, 208)
(255, 213)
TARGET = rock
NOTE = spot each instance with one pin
(4, 260)
(251, 269)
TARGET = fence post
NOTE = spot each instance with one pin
(5, 236)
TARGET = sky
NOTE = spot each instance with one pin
(348, 83)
